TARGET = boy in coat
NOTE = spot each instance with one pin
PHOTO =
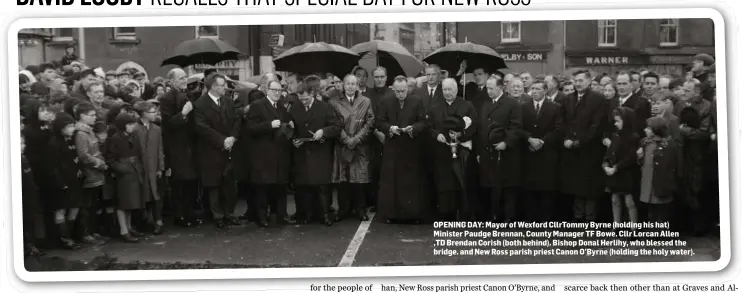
(66, 177)
(153, 159)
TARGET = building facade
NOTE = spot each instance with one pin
(533, 46)
(144, 48)
(665, 46)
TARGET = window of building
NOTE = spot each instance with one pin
(669, 32)
(607, 32)
(209, 31)
(124, 33)
(63, 34)
(510, 31)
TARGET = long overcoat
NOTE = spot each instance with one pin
(270, 152)
(351, 163)
(446, 181)
(214, 123)
(402, 186)
(179, 137)
(581, 167)
(152, 156)
(313, 160)
(122, 155)
(540, 167)
(500, 168)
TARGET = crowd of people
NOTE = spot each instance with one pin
(103, 150)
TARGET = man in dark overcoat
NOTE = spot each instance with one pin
(378, 93)
(498, 149)
(179, 142)
(452, 190)
(582, 152)
(432, 91)
(217, 130)
(270, 153)
(316, 122)
(402, 192)
(543, 133)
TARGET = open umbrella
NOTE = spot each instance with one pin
(319, 57)
(390, 55)
(451, 56)
(208, 51)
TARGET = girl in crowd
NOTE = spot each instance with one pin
(662, 169)
(609, 90)
(122, 155)
(65, 178)
(620, 164)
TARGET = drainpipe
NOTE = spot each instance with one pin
(81, 42)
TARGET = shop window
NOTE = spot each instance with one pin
(209, 31)
(607, 32)
(669, 32)
(63, 34)
(510, 31)
(124, 33)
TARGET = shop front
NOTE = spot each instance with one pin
(607, 63)
(524, 61)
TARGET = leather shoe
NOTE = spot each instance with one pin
(159, 229)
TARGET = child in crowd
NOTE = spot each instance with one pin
(662, 168)
(106, 215)
(153, 158)
(65, 178)
(620, 164)
(122, 155)
(89, 153)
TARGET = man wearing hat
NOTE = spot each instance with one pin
(123, 77)
(701, 64)
(146, 91)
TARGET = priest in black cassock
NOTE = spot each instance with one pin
(402, 194)
(450, 124)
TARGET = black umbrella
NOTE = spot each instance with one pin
(392, 56)
(321, 57)
(208, 51)
(451, 56)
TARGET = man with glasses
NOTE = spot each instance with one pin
(153, 158)
(217, 129)
(402, 185)
(270, 149)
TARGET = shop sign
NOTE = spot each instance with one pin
(227, 64)
(523, 56)
(606, 60)
(671, 59)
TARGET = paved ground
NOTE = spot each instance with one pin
(348, 243)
